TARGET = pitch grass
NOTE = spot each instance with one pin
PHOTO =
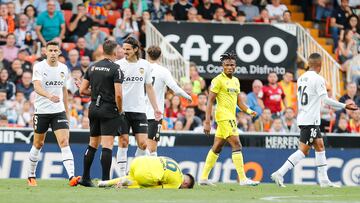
(49, 191)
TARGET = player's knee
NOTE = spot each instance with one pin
(142, 145)
(123, 141)
(63, 143)
(39, 144)
(216, 149)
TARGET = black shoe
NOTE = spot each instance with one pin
(86, 182)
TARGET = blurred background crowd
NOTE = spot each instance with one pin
(82, 26)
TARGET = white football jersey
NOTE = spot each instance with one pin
(53, 79)
(161, 77)
(311, 86)
(136, 75)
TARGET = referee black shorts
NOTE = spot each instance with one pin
(308, 133)
(56, 121)
(136, 121)
(103, 126)
(154, 129)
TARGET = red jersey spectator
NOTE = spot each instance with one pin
(273, 94)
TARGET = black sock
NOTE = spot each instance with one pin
(88, 159)
(106, 158)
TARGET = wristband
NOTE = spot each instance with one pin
(249, 111)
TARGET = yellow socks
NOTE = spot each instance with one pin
(239, 164)
(211, 159)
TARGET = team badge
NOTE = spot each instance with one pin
(62, 75)
(142, 71)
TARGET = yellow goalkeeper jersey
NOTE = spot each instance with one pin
(227, 90)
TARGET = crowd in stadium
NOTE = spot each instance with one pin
(81, 27)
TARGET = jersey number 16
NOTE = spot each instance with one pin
(303, 96)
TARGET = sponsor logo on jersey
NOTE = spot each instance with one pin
(142, 70)
(62, 121)
(133, 79)
(54, 83)
(231, 90)
(143, 124)
(102, 69)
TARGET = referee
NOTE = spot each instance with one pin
(105, 79)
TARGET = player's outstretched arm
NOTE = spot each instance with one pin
(337, 105)
(171, 83)
(244, 107)
(209, 106)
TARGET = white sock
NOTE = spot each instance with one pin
(121, 157)
(34, 159)
(140, 152)
(321, 164)
(153, 153)
(291, 162)
(68, 161)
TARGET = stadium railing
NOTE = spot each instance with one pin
(330, 68)
(171, 58)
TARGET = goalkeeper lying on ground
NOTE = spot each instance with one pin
(152, 172)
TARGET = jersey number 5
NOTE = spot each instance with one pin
(304, 98)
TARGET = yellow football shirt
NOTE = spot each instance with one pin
(227, 91)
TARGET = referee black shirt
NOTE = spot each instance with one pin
(102, 75)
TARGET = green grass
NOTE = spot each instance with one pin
(48, 191)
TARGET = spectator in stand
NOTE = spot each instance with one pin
(327, 113)
(251, 11)
(41, 5)
(276, 10)
(354, 70)
(178, 126)
(230, 9)
(192, 15)
(13, 17)
(30, 12)
(18, 102)
(254, 100)
(354, 122)
(81, 47)
(263, 124)
(277, 126)
(338, 20)
(76, 75)
(347, 49)
(138, 6)
(26, 85)
(273, 95)
(84, 64)
(324, 9)
(20, 6)
(353, 25)
(174, 111)
(201, 107)
(190, 121)
(4, 121)
(9, 49)
(219, 15)
(352, 3)
(120, 52)
(188, 87)
(5, 105)
(157, 10)
(290, 90)
(15, 72)
(142, 25)
(25, 116)
(342, 126)
(3, 62)
(84, 123)
(241, 17)
(289, 121)
(50, 24)
(264, 17)
(6, 84)
(96, 11)
(243, 122)
(287, 17)
(180, 9)
(126, 27)
(198, 83)
(206, 9)
(79, 23)
(22, 56)
(25, 37)
(73, 61)
(95, 37)
(169, 17)
(3, 23)
(351, 93)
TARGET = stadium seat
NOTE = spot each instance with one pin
(112, 17)
(68, 46)
(67, 16)
(105, 29)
